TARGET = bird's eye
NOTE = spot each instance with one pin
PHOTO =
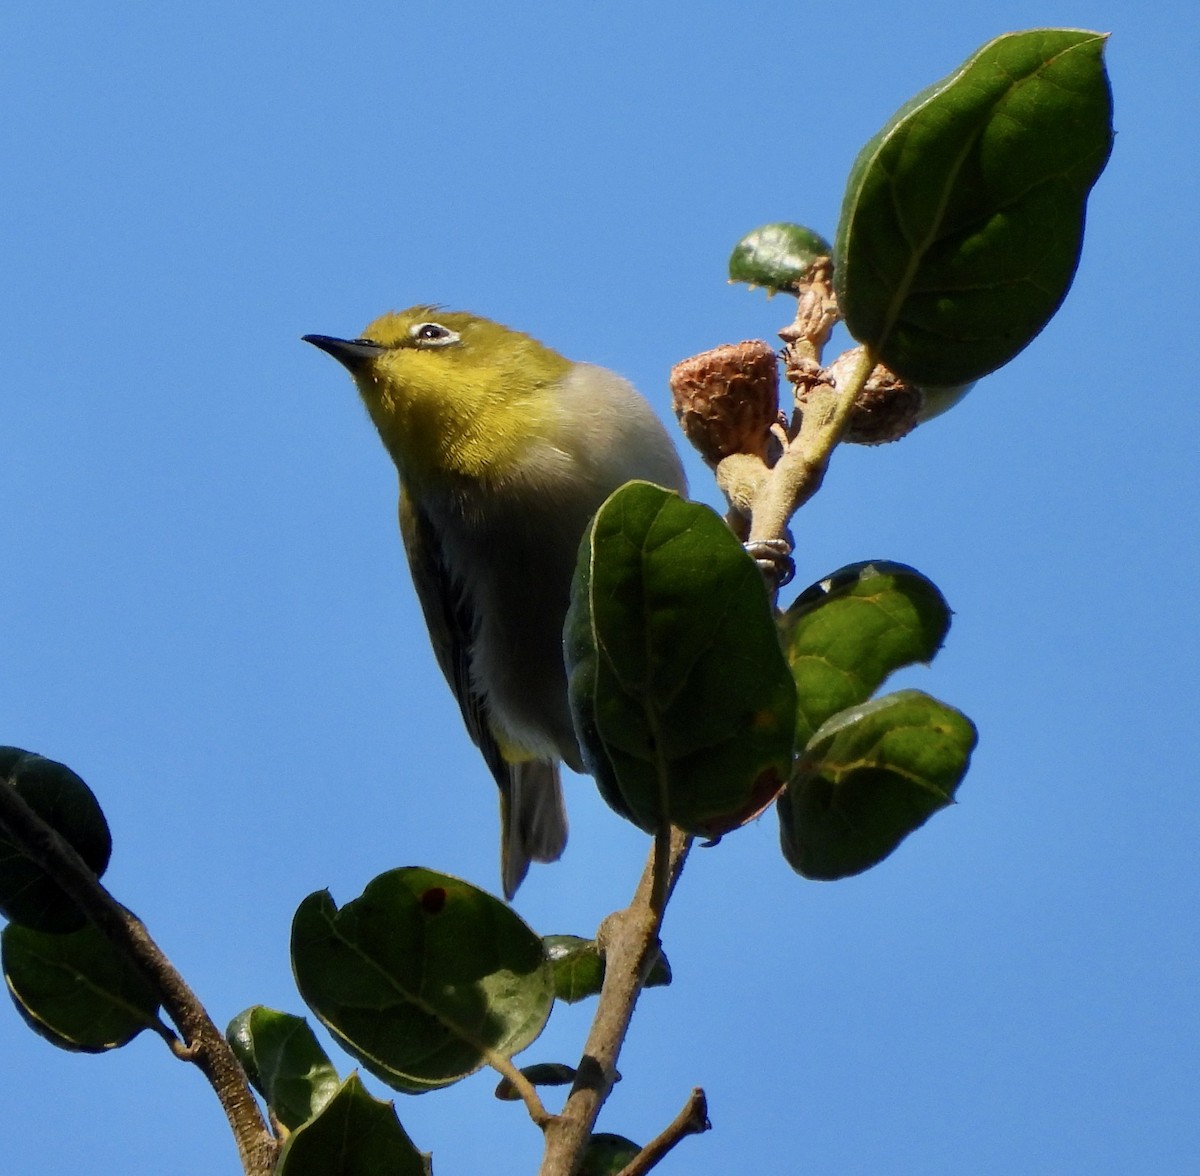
(432, 335)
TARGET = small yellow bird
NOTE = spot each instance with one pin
(505, 449)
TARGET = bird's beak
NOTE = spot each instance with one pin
(353, 354)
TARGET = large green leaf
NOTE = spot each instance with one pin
(872, 775)
(845, 634)
(76, 989)
(963, 218)
(422, 976)
(27, 895)
(352, 1135)
(684, 704)
(284, 1061)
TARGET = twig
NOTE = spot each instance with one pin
(508, 1070)
(629, 940)
(692, 1120)
(797, 475)
(662, 878)
(203, 1043)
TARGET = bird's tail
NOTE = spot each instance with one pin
(533, 820)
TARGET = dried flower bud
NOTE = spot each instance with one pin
(727, 399)
(886, 409)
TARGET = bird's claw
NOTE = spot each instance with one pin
(774, 560)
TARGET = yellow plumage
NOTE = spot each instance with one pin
(504, 449)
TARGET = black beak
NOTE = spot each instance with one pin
(353, 354)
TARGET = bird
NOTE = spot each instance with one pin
(505, 449)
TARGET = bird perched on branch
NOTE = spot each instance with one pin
(505, 449)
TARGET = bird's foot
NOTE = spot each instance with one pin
(774, 560)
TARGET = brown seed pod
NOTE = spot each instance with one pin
(727, 399)
(886, 409)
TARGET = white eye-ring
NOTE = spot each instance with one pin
(433, 335)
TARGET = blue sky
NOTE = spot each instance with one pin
(206, 613)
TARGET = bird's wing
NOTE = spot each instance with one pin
(532, 817)
(452, 628)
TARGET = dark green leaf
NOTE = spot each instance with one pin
(66, 803)
(10, 757)
(284, 1061)
(684, 704)
(540, 1074)
(76, 989)
(607, 1154)
(870, 776)
(421, 976)
(353, 1135)
(776, 256)
(241, 1040)
(579, 967)
(963, 218)
(585, 672)
(845, 634)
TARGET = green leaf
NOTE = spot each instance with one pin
(777, 256)
(870, 776)
(540, 1074)
(27, 894)
(963, 218)
(352, 1135)
(845, 634)
(76, 989)
(585, 672)
(421, 977)
(284, 1061)
(607, 1154)
(683, 702)
(579, 967)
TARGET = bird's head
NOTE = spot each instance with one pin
(450, 392)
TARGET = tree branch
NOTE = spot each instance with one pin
(798, 474)
(527, 1092)
(203, 1043)
(629, 940)
(692, 1120)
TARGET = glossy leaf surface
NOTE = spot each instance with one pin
(963, 217)
(777, 256)
(871, 776)
(683, 702)
(421, 976)
(76, 989)
(845, 634)
(284, 1061)
(353, 1135)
